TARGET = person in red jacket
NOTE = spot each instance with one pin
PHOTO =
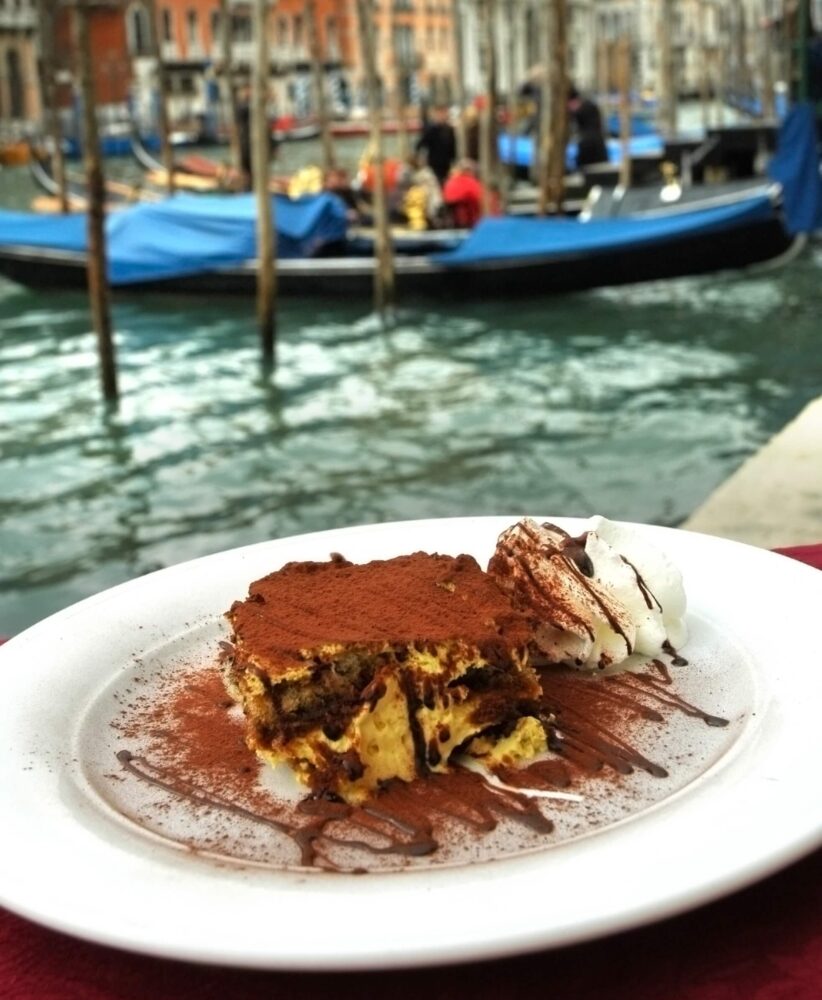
(463, 195)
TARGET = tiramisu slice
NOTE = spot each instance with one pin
(358, 674)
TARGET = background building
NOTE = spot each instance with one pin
(19, 87)
(729, 46)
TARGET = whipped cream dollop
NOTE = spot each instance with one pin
(599, 597)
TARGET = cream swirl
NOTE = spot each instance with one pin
(599, 597)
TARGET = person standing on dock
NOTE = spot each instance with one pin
(439, 143)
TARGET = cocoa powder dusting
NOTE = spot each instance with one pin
(192, 747)
(414, 599)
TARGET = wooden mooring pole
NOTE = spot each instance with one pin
(399, 68)
(667, 82)
(623, 57)
(320, 103)
(555, 159)
(166, 150)
(51, 116)
(512, 101)
(261, 149)
(229, 93)
(459, 80)
(384, 280)
(488, 118)
(95, 182)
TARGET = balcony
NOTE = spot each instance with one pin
(23, 19)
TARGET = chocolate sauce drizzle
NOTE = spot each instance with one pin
(572, 551)
(401, 821)
(584, 716)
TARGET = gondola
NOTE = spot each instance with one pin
(119, 194)
(191, 172)
(206, 244)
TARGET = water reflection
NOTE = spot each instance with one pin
(634, 403)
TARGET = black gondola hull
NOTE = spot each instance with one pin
(727, 249)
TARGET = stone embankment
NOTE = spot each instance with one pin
(775, 498)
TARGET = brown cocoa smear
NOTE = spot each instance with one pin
(178, 767)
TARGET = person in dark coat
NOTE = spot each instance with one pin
(439, 144)
(591, 147)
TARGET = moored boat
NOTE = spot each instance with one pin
(207, 244)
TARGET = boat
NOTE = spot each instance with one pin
(289, 129)
(118, 193)
(794, 167)
(206, 244)
(14, 152)
(521, 151)
(193, 172)
(361, 127)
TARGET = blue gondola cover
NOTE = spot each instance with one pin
(499, 239)
(186, 234)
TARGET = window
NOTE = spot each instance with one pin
(183, 84)
(168, 26)
(282, 31)
(241, 28)
(298, 31)
(192, 28)
(138, 31)
(15, 83)
(332, 41)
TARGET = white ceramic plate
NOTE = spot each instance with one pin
(67, 863)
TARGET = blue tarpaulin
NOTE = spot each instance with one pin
(523, 149)
(186, 234)
(795, 166)
(497, 239)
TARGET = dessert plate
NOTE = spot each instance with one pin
(69, 861)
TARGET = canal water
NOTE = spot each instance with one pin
(633, 402)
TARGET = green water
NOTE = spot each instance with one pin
(635, 403)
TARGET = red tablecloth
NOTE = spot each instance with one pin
(763, 943)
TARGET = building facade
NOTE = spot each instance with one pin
(19, 84)
(723, 45)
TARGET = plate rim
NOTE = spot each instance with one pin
(455, 952)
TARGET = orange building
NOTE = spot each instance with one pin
(111, 64)
(415, 50)
(19, 89)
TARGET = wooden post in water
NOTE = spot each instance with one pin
(704, 64)
(384, 281)
(488, 117)
(740, 56)
(326, 140)
(624, 77)
(764, 40)
(229, 93)
(260, 156)
(555, 159)
(95, 183)
(511, 12)
(546, 106)
(166, 150)
(604, 73)
(53, 128)
(403, 144)
(666, 85)
(459, 79)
